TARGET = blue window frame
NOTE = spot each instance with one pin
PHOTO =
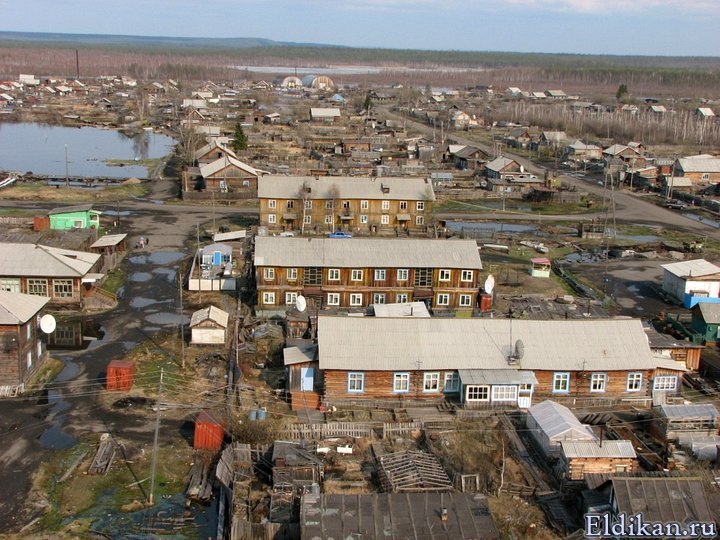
(401, 383)
(561, 383)
(356, 382)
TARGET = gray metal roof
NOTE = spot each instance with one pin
(17, 308)
(498, 164)
(366, 253)
(346, 187)
(300, 354)
(210, 313)
(69, 209)
(679, 500)
(693, 268)
(700, 164)
(395, 344)
(694, 410)
(219, 164)
(496, 376)
(710, 312)
(405, 309)
(109, 240)
(557, 421)
(30, 260)
(593, 449)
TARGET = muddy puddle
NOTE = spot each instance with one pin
(140, 277)
(167, 319)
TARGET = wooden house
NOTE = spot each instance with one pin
(701, 169)
(685, 353)
(213, 151)
(692, 282)
(706, 322)
(579, 151)
(74, 217)
(578, 458)
(22, 345)
(208, 326)
(357, 272)
(230, 174)
(502, 167)
(295, 466)
(324, 114)
(626, 154)
(302, 379)
(549, 423)
(671, 422)
(112, 248)
(470, 158)
(359, 204)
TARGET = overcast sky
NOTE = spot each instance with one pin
(646, 27)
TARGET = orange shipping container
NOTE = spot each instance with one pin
(209, 433)
(120, 375)
(41, 223)
(485, 302)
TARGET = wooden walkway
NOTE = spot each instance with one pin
(412, 472)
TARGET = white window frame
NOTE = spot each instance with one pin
(420, 206)
(364, 205)
(403, 205)
(401, 298)
(356, 382)
(333, 274)
(272, 203)
(465, 300)
(378, 298)
(401, 383)
(307, 220)
(363, 219)
(385, 205)
(328, 219)
(442, 299)
(10, 284)
(662, 382)
(268, 274)
(634, 381)
(356, 274)
(37, 287)
(598, 382)
(478, 390)
(380, 274)
(562, 377)
(467, 276)
(451, 383)
(272, 218)
(290, 298)
(268, 298)
(292, 274)
(504, 393)
(329, 205)
(29, 360)
(333, 299)
(290, 205)
(403, 274)
(444, 274)
(356, 299)
(419, 220)
(308, 204)
(384, 219)
(63, 288)
(431, 382)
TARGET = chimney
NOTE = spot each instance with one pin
(385, 189)
(443, 514)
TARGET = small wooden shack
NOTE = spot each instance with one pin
(549, 423)
(673, 421)
(578, 458)
(540, 267)
(303, 379)
(209, 432)
(294, 465)
(120, 375)
(208, 326)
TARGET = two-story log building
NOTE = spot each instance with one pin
(357, 272)
(350, 203)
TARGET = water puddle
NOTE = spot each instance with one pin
(140, 276)
(167, 272)
(165, 257)
(70, 371)
(123, 213)
(56, 439)
(54, 436)
(703, 220)
(167, 319)
(491, 227)
(139, 302)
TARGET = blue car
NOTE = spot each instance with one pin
(340, 234)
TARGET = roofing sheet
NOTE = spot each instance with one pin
(219, 164)
(18, 308)
(663, 499)
(109, 240)
(345, 187)
(693, 268)
(710, 312)
(210, 313)
(693, 410)
(406, 309)
(596, 449)
(29, 260)
(300, 354)
(696, 164)
(496, 376)
(556, 420)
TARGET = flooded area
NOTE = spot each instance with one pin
(40, 148)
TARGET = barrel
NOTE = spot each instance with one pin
(261, 415)
(253, 415)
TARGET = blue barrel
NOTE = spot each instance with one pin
(261, 415)
(253, 415)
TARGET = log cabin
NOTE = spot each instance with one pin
(578, 458)
(485, 363)
(357, 272)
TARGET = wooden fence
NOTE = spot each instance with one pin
(15, 220)
(402, 428)
(330, 430)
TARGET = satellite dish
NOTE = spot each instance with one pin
(519, 349)
(301, 303)
(48, 324)
(489, 284)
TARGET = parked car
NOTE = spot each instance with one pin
(287, 234)
(675, 205)
(340, 234)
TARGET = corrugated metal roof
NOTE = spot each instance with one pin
(219, 164)
(692, 410)
(109, 240)
(693, 268)
(700, 164)
(18, 308)
(499, 164)
(324, 112)
(406, 309)
(366, 253)
(30, 260)
(496, 376)
(345, 187)
(669, 500)
(592, 449)
(397, 344)
(299, 354)
(710, 312)
(210, 313)
(70, 209)
(556, 420)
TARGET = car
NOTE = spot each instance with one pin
(675, 205)
(287, 234)
(340, 234)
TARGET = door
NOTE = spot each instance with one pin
(217, 258)
(307, 378)
(524, 402)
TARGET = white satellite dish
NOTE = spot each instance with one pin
(489, 284)
(301, 303)
(48, 324)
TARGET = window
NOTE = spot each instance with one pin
(292, 274)
(29, 359)
(431, 382)
(634, 382)
(380, 274)
(290, 205)
(290, 298)
(308, 205)
(328, 205)
(29, 332)
(333, 299)
(356, 275)
(477, 393)
(465, 300)
(364, 205)
(420, 205)
(561, 383)
(379, 298)
(385, 205)
(452, 382)
(272, 203)
(346, 205)
(526, 387)
(363, 218)
(328, 220)
(706, 176)
(384, 219)
(401, 298)
(268, 298)
(356, 382)
(37, 286)
(444, 275)
(10, 284)
(307, 220)
(504, 393)
(272, 218)
(467, 275)
(78, 224)
(443, 299)
(334, 274)
(423, 277)
(269, 274)
(665, 382)
(598, 382)
(403, 205)
(419, 220)
(62, 288)
(356, 299)
(401, 383)
(312, 276)
(402, 274)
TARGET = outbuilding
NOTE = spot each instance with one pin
(549, 423)
(208, 326)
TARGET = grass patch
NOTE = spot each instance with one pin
(41, 191)
(114, 281)
(149, 164)
(515, 206)
(49, 370)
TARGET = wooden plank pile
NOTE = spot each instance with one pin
(199, 481)
(412, 471)
(104, 456)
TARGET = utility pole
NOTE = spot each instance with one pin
(180, 316)
(67, 177)
(155, 442)
(198, 263)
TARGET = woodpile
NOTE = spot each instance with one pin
(104, 456)
(199, 481)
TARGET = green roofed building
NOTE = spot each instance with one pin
(74, 217)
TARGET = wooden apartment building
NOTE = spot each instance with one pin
(357, 272)
(349, 203)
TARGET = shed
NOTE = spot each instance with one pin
(549, 423)
(74, 217)
(578, 458)
(208, 326)
(672, 421)
(294, 465)
(706, 321)
(120, 375)
(303, 377)
(540, 267)
(216, 254)
(692, 282)
(209, 432)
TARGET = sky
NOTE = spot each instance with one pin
(635, 27)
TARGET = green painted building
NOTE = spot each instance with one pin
(74, 217)
(706, 321)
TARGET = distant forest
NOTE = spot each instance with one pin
(208, 58)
